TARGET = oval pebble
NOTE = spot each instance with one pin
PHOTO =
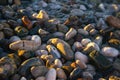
(80, 56)
(51, 74)
(110, 52)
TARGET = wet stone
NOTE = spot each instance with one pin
(39, 71)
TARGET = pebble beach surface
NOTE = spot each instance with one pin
(60, 40)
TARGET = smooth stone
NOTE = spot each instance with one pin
(52, 50)
(102, 7)
(93, 32)
(82, 57)
(58, 63)
(41, 52)
(83, 32)
(54, 21)
(40, 78)
(98, 40)
(77, 46)
(91, 69)
(87, 75)
(43, 47)
(110, 52)
(82, 7)
(42, 32)
(23, 78)
(14, 39)
(113, 21)
(77, 12)
(81, 64)
(70, 34)
(66, 52)
(37, 71)
(88, 27)
(2, 36)
(90, 47)
(61, 74)
(59, 35)
(21, 31)
(63, 47)
(28, 45)
(51, 74)
(42, 15)
(62, 28)
(27, 64)
(85, 41)
(76, 73)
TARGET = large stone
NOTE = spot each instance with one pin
(113, 21)
(63, 47)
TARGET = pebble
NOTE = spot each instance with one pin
(77, 46)
(110, 52)
(70, 34)
(38, 71)
(51, 74)
(14, 39)
(52, 50)
(113, 21)
(42, 15)
(91, 46)
(41, 52)
(83, 32)
(58, 63)
(81, 64)
(77, 12)
(88, 27)
(85, 41)
(82, 57)
(61, 74)
(66, 52)
(23, 78)
(26, 45)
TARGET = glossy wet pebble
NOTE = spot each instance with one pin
(70, 34)
(110, 52)
(82, 57)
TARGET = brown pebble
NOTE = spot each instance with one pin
(61, 74)
(113, 21)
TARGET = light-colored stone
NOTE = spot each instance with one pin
(81, 64)
(70, 34)
(51, 75)
(80, 56)
(61, 74)
(58, 63)
(27, 45)
(85, 41)
(110, 52)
